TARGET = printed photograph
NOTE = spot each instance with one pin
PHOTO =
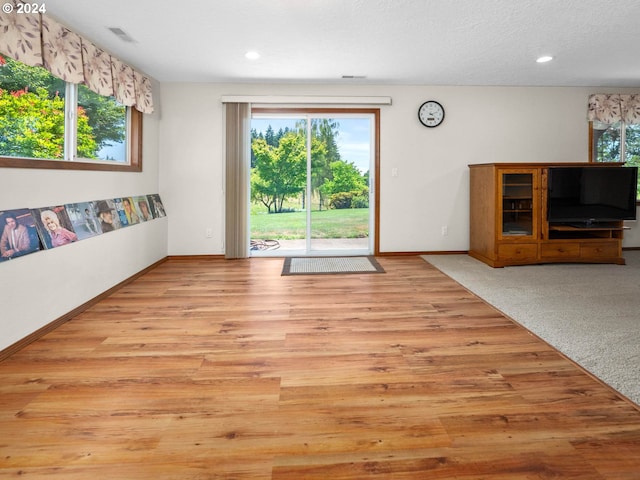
(142, 206)
(122, 215)
(54, 226)
(130, 210)
(108, 217)
(157, 208)
(84, 219)
(19, 234)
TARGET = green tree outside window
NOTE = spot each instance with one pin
(32, 116)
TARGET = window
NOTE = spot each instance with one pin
(328, 200)
(99, 133)
(614, 129)
(616, 142)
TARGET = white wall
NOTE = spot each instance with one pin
(41, 287)
(482, 124)
(191, 175)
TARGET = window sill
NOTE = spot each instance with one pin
(6, 162)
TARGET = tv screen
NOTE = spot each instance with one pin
(591, 195)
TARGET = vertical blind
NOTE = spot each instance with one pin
(237, 164)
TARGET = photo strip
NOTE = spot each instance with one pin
(107, 214)
(19, 234)
(28, 230)
(54, 226)
(84, 219)
(157, 208)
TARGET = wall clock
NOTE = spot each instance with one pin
(431, 114)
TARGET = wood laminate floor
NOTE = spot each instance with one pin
(216, 369)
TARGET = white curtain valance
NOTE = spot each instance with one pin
(123, 82)
(20, 36)
(97, 69)
(61, 51)
(614, 107)
(39, 41)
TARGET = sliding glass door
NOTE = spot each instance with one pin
(311, 183)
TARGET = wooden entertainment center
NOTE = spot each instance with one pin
(508, 220)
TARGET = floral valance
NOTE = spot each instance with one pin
(39, 41)
(611, 108)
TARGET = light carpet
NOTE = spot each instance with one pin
(589, 312)
(330, 265)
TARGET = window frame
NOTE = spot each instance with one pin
(261, 109)
(134, 146)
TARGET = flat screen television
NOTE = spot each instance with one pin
(588, 196)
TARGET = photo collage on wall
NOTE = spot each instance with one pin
(28, 230)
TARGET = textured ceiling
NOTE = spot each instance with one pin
(404, 42)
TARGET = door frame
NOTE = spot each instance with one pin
(375, 112)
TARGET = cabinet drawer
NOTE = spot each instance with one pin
(604, 249)
(559, 250)
(518, 252)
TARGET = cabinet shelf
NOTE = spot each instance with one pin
(571, 228)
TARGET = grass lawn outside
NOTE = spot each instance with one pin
(343, 223)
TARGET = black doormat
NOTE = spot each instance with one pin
(330, 265)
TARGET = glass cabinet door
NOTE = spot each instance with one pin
(518, 203)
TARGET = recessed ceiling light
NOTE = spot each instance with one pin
(252, 55)
(544, 59)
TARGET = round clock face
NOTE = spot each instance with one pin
(431, 114)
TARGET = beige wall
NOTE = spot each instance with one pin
(482, 124)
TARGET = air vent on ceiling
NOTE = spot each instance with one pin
(122, 35)
(354, 76)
